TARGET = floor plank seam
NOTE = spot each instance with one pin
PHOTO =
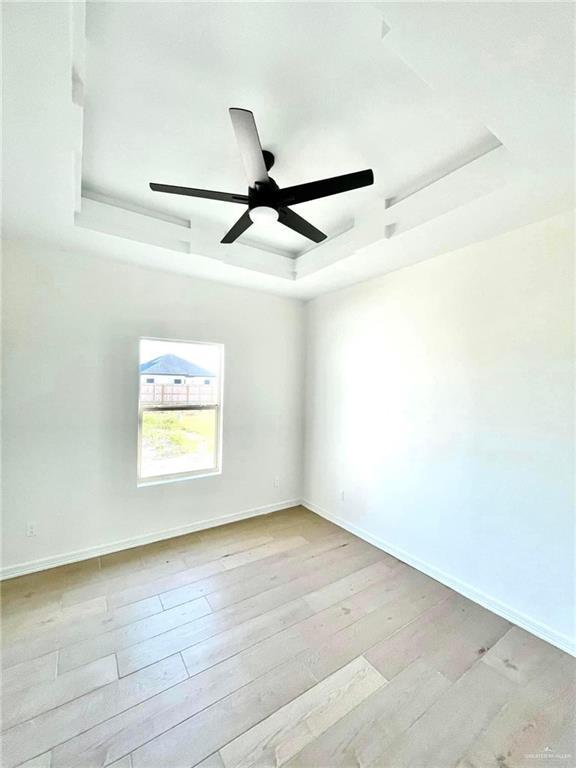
(185, 665)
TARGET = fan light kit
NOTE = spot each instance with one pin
(263, 214)
(266, 202)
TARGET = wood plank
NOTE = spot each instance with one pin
(200, 572)
(432, 629)
(276, 523)
(51, 728)
(300, 526)
(520, 656)
(183, 637)
(125, 762)
(202, 545)
(168, 550)
(361, 737)
(26, 619)
(453, 722)
(343, 587)
(108, 587)
(203, 554)
(73, 631)
(117, 563)
(402, 600)
(248, 666)
(266, 550)
(430, 639)
(32, 701)
(206, 732)
(138, 656)
(213, 761)
(147, 588)
(42, 761)
(21, 676)
(51, 581)
(111, 642)
(19, 615)
(212, 650)
(131, 729)
(251, 579)
(288, 730)
(538, 720)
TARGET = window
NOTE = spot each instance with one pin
(179, 433)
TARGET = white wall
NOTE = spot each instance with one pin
(440, 403)
(71, 328)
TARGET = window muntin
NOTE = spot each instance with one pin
(180, 424)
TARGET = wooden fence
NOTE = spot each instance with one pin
(172, 394)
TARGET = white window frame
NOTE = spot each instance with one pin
(218, 408)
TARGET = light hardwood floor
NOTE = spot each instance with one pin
(280, 640)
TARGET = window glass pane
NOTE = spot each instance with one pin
(174, 372)
(175, 442)
(179, 404)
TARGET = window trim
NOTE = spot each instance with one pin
(142, 482)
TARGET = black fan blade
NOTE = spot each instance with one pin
(246, 132)
(315, 189)
(300, 225)
(241, 226)
(226, 197)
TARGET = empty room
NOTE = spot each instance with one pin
(288, 385)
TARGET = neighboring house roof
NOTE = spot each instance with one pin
(172, 365)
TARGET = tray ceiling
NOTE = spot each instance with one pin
(335, 87)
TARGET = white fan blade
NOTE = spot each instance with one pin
(249, 144)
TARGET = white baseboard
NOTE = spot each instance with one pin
(32, 566)
(543, 631)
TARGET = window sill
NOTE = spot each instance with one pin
(178, 478)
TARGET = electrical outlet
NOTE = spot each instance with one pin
(342, 495)
(30, 529)
(276, 482)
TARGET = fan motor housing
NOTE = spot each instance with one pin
(264, 193)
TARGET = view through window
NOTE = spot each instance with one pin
(179, 408)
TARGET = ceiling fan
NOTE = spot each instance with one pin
(265, 200)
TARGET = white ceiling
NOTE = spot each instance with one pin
(410, 90)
